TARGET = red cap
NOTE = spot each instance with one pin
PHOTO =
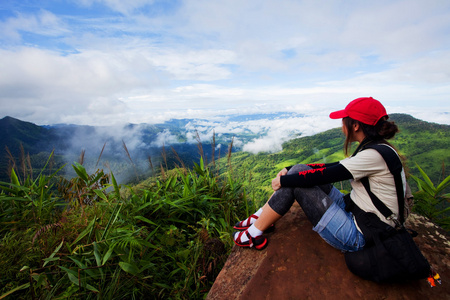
(366, 110)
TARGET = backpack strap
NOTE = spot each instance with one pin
(395, 167)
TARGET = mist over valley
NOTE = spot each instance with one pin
(131, 149)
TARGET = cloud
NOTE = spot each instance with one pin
(284, 129)
(43, 23)
(165, 138)
(396, 29)
(124, 7)
(109, 61)
(202, 65)
(75, 87)
(269, 131)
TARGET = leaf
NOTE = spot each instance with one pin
(91, 288)
(40, 278)
(81, 171)
(199, 169)
(74, 279)
(151, 234)
(14, 178)
(129, 268)
(21, 287)
(426, 178)
(97, 255)
(114, 216)
(45, 166)
(169, 182)
(443, 185)
(202, 164)
(85, 231)
(443, 211)
(69, 271)
(79, 263)
(84, 268)
(97, 177)
(108, 254)
(24, 268)
(101, 194)
(143, 206)
(116, 186)
(422, 185)
(144, 219)
(47, 260)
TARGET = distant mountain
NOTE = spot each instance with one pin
(14, 132)
(125, 149)
(17, 137)
(128, 150)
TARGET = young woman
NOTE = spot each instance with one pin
(364, 120)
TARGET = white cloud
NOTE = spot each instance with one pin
(124, 7)
(43, 23)
(270, 132)
(165, 138)
(284, 129)
(203, 65)
(148, 61)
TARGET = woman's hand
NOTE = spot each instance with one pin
(276, 184)
(282, 172)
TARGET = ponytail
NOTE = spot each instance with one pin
(383, 130)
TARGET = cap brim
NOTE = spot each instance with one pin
(338, 114)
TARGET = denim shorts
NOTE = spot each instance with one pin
(337, 227)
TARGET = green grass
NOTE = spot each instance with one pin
(167, 237)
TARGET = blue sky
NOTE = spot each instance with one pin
(106, 62)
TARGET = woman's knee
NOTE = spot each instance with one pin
(282, 200)
(326, 188)
(298, 168)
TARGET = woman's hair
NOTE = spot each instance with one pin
(380, 132)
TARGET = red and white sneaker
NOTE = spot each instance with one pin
(258, 242)
(244, 225)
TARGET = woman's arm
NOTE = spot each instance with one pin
(316, 176)
(315, 166)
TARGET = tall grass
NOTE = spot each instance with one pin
(89, 237)
(431, 200)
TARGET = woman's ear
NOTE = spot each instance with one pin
(356, 127)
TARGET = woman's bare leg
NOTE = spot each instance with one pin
(267, 218)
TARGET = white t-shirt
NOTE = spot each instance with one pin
(369, 163)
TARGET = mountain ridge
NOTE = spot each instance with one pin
(418, 137)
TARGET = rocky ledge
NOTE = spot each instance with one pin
(298, 264)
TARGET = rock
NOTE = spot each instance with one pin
(298, 264)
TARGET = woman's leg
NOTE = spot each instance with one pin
(267, 218)
(279, 204)
(324, 207)
(314, 200)
(281, 201)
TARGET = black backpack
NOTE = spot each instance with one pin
(390, 254)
